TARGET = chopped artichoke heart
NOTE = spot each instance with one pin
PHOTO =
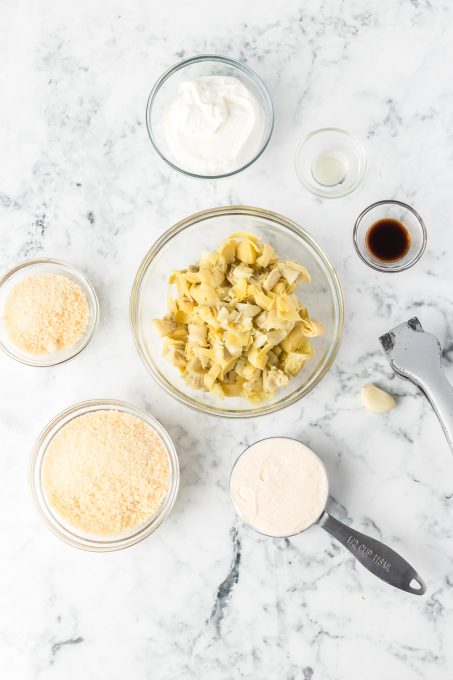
(247, 309)
(280, 288)
(206, 315)
(195, 380)
(222, 315)
(276, 336)
(206, 257)
(296, 341)
(253, 387)
(245, 235)
(232, 389)
(185, 306)
(271, 279)
(239, 366)
(247, 251)
(287, 308)
(234, 343)
(221, 355)
(288, 273)
(212, 276)
(206, 356)
(240, 290)
(273, 378)
(204, 294)
(271, 320)
(174, 355)
(242, 271)
(164, 326)
(194, 365)
(182, 317)
(272, 358)
(193, 277)
(311, 328)
(180, 333)
(261, 299)
(197, 334)
(236, 327)
(181, 283)
(251, 372)
(260, 339)
(228, 250)
(294, 362)
(217, 391)
(303, 274)
(211, 376)
(228, 366)
(172, 305)
(258, 356)
(266, 256)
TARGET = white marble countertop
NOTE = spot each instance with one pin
(205, 597)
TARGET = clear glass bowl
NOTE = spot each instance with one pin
(47, 266)
(402, 213)
(204, 65)
(330, 162)
(57, 524)
(182, 245)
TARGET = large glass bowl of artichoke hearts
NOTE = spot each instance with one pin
(237, 311)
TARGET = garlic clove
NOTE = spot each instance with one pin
(376, 400)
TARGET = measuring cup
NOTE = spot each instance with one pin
(378, 558)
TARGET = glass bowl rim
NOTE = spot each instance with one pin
(71, 536)
(358, 143)
(202, 216)
(389, 269)
(93, 303)
(269, 114)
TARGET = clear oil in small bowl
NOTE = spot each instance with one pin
(330, 162)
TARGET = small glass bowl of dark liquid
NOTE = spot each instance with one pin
(390, 236)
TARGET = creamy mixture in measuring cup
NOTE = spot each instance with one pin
(279, 486)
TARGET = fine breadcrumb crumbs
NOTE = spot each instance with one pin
(45, 313)
(106, 472)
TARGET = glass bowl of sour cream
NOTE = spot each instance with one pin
(209, 116)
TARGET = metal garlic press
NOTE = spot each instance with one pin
(416, 355)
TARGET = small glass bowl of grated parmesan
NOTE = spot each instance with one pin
(104, 475)
(48, 312)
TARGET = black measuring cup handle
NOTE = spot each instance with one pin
(378, 558)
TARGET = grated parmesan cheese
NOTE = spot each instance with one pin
(106, 472)
(45, 313)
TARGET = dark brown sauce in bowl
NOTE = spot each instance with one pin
(388, 240)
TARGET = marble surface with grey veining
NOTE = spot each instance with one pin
(205, 597)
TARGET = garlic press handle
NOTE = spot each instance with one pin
(440, 394)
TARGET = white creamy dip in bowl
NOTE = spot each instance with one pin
(209, 116)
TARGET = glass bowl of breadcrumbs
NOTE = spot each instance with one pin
(49, 312)
(104, 475)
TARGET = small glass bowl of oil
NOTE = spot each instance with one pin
(330, 162)
(389, 236)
